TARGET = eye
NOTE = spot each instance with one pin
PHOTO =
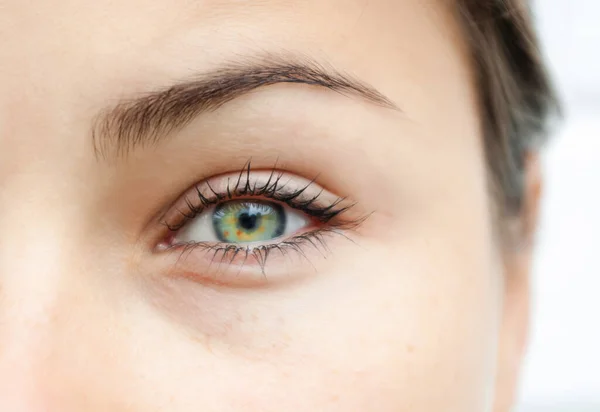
(235, 223)
(239, 222)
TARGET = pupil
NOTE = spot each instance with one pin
(248, 221)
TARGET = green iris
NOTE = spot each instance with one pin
(248, 221)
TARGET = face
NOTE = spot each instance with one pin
(234, 206)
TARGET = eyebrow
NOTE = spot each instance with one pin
(148, 119)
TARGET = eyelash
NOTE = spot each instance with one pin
(329, 216)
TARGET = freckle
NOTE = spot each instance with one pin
(410, 348)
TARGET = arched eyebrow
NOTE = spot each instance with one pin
(147, 120)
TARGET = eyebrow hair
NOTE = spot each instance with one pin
(148, 119)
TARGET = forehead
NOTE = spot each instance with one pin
(140, 36)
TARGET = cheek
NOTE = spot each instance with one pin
(399, 327)
(415, 329)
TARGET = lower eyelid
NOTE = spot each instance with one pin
(232, 265)
(284, 260)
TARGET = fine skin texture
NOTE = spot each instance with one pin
(419, 306)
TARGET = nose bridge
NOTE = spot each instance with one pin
(49, 97)
(52, 315)
(33, 226)
(32, 268)
(44, 164)
(36, 264)
(28, 311)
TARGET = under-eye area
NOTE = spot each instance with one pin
(253, 223)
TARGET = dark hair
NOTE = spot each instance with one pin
(516, 97)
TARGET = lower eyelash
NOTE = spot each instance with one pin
(226, 254)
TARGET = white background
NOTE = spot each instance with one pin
(562, 371)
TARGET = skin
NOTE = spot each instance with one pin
(425, 309)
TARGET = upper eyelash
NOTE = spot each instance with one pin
(272, 189)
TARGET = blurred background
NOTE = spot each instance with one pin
(562, 370)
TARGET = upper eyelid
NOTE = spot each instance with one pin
(283, 196)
